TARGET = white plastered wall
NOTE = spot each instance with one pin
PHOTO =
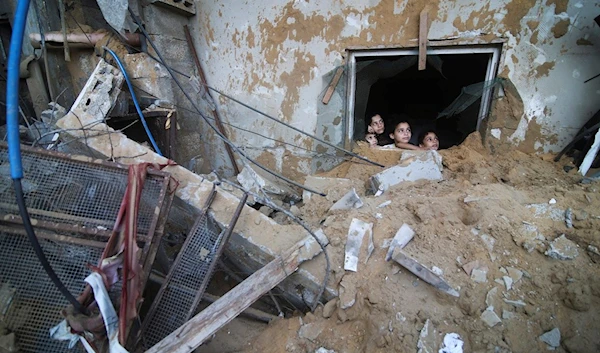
(279, 55)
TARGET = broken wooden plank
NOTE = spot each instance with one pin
(333, 84)
(423, 31)
(422, 272)
(202, 326)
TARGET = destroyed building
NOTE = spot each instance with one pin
(239, 128)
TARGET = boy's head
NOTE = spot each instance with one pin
(429, 139)
(401, 133)
(376, 124)
(371, 139)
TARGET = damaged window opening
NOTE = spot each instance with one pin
(388, 82)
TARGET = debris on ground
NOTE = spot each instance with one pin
(452, 344)
(427, 339)
(551, 338)
(562, 249)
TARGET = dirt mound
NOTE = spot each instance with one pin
(497, 213)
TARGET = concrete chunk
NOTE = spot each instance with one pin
(562, 249)
(427, 339)
(413, 166)
(551, 338)
(254, 180)
(348, 201)
(490, 318)
(331, 186)
(479, 275)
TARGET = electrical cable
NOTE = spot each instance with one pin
(135, 101)
(216, 131)
(14, 148)
(350, 153)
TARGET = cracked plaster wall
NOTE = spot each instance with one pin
(278, 56)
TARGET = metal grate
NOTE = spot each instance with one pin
(34, 303)
(88, 195)
(184, 283)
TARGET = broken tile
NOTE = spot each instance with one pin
(562, 249)
(489, 242)
(384, 204)
(507, 282)
(479, 275)
(491, 298)
(515, 303)
(427, 339)
(413, 166)
(507, 315)
(490, 318)
(348, 201)
(468, 268)
(402, 237)
(515, 274)
(551, 338)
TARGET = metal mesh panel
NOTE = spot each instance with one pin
(64, 190)
(36, 303)
(187, 276)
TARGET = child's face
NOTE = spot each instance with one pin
(377, 124)
(430, 141)
(371, 139)
(402, 133)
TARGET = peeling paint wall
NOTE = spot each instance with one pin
(278, 57)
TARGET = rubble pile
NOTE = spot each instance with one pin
(525, 276)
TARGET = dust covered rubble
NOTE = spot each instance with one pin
(477, 226)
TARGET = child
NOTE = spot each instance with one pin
(429, 140)
(401, 136)
(371, 138)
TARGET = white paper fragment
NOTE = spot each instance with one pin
(452, 344)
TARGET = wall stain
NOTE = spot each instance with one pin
(515, 11)
(583, 41)
(561, 28)
(561, 5)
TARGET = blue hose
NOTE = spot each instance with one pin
(12, 90)
(14, 147)
(135, 102)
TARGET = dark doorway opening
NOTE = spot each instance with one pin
(393, 87)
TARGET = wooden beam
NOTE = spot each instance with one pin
(423, 31)
(202, 326)
(332, 85)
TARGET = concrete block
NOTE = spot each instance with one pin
(333, 187)
(348, 201)
(254, 180)
(413, 166)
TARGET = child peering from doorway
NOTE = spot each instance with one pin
(428, 140)
(371, 139)
(402, 134)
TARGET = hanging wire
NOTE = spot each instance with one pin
(216, 131)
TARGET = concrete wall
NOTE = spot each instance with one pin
(278, 56)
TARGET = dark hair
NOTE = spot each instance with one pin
(396, 123)
(369, 117)
(424, 133)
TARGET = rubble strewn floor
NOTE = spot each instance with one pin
(494, 217)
